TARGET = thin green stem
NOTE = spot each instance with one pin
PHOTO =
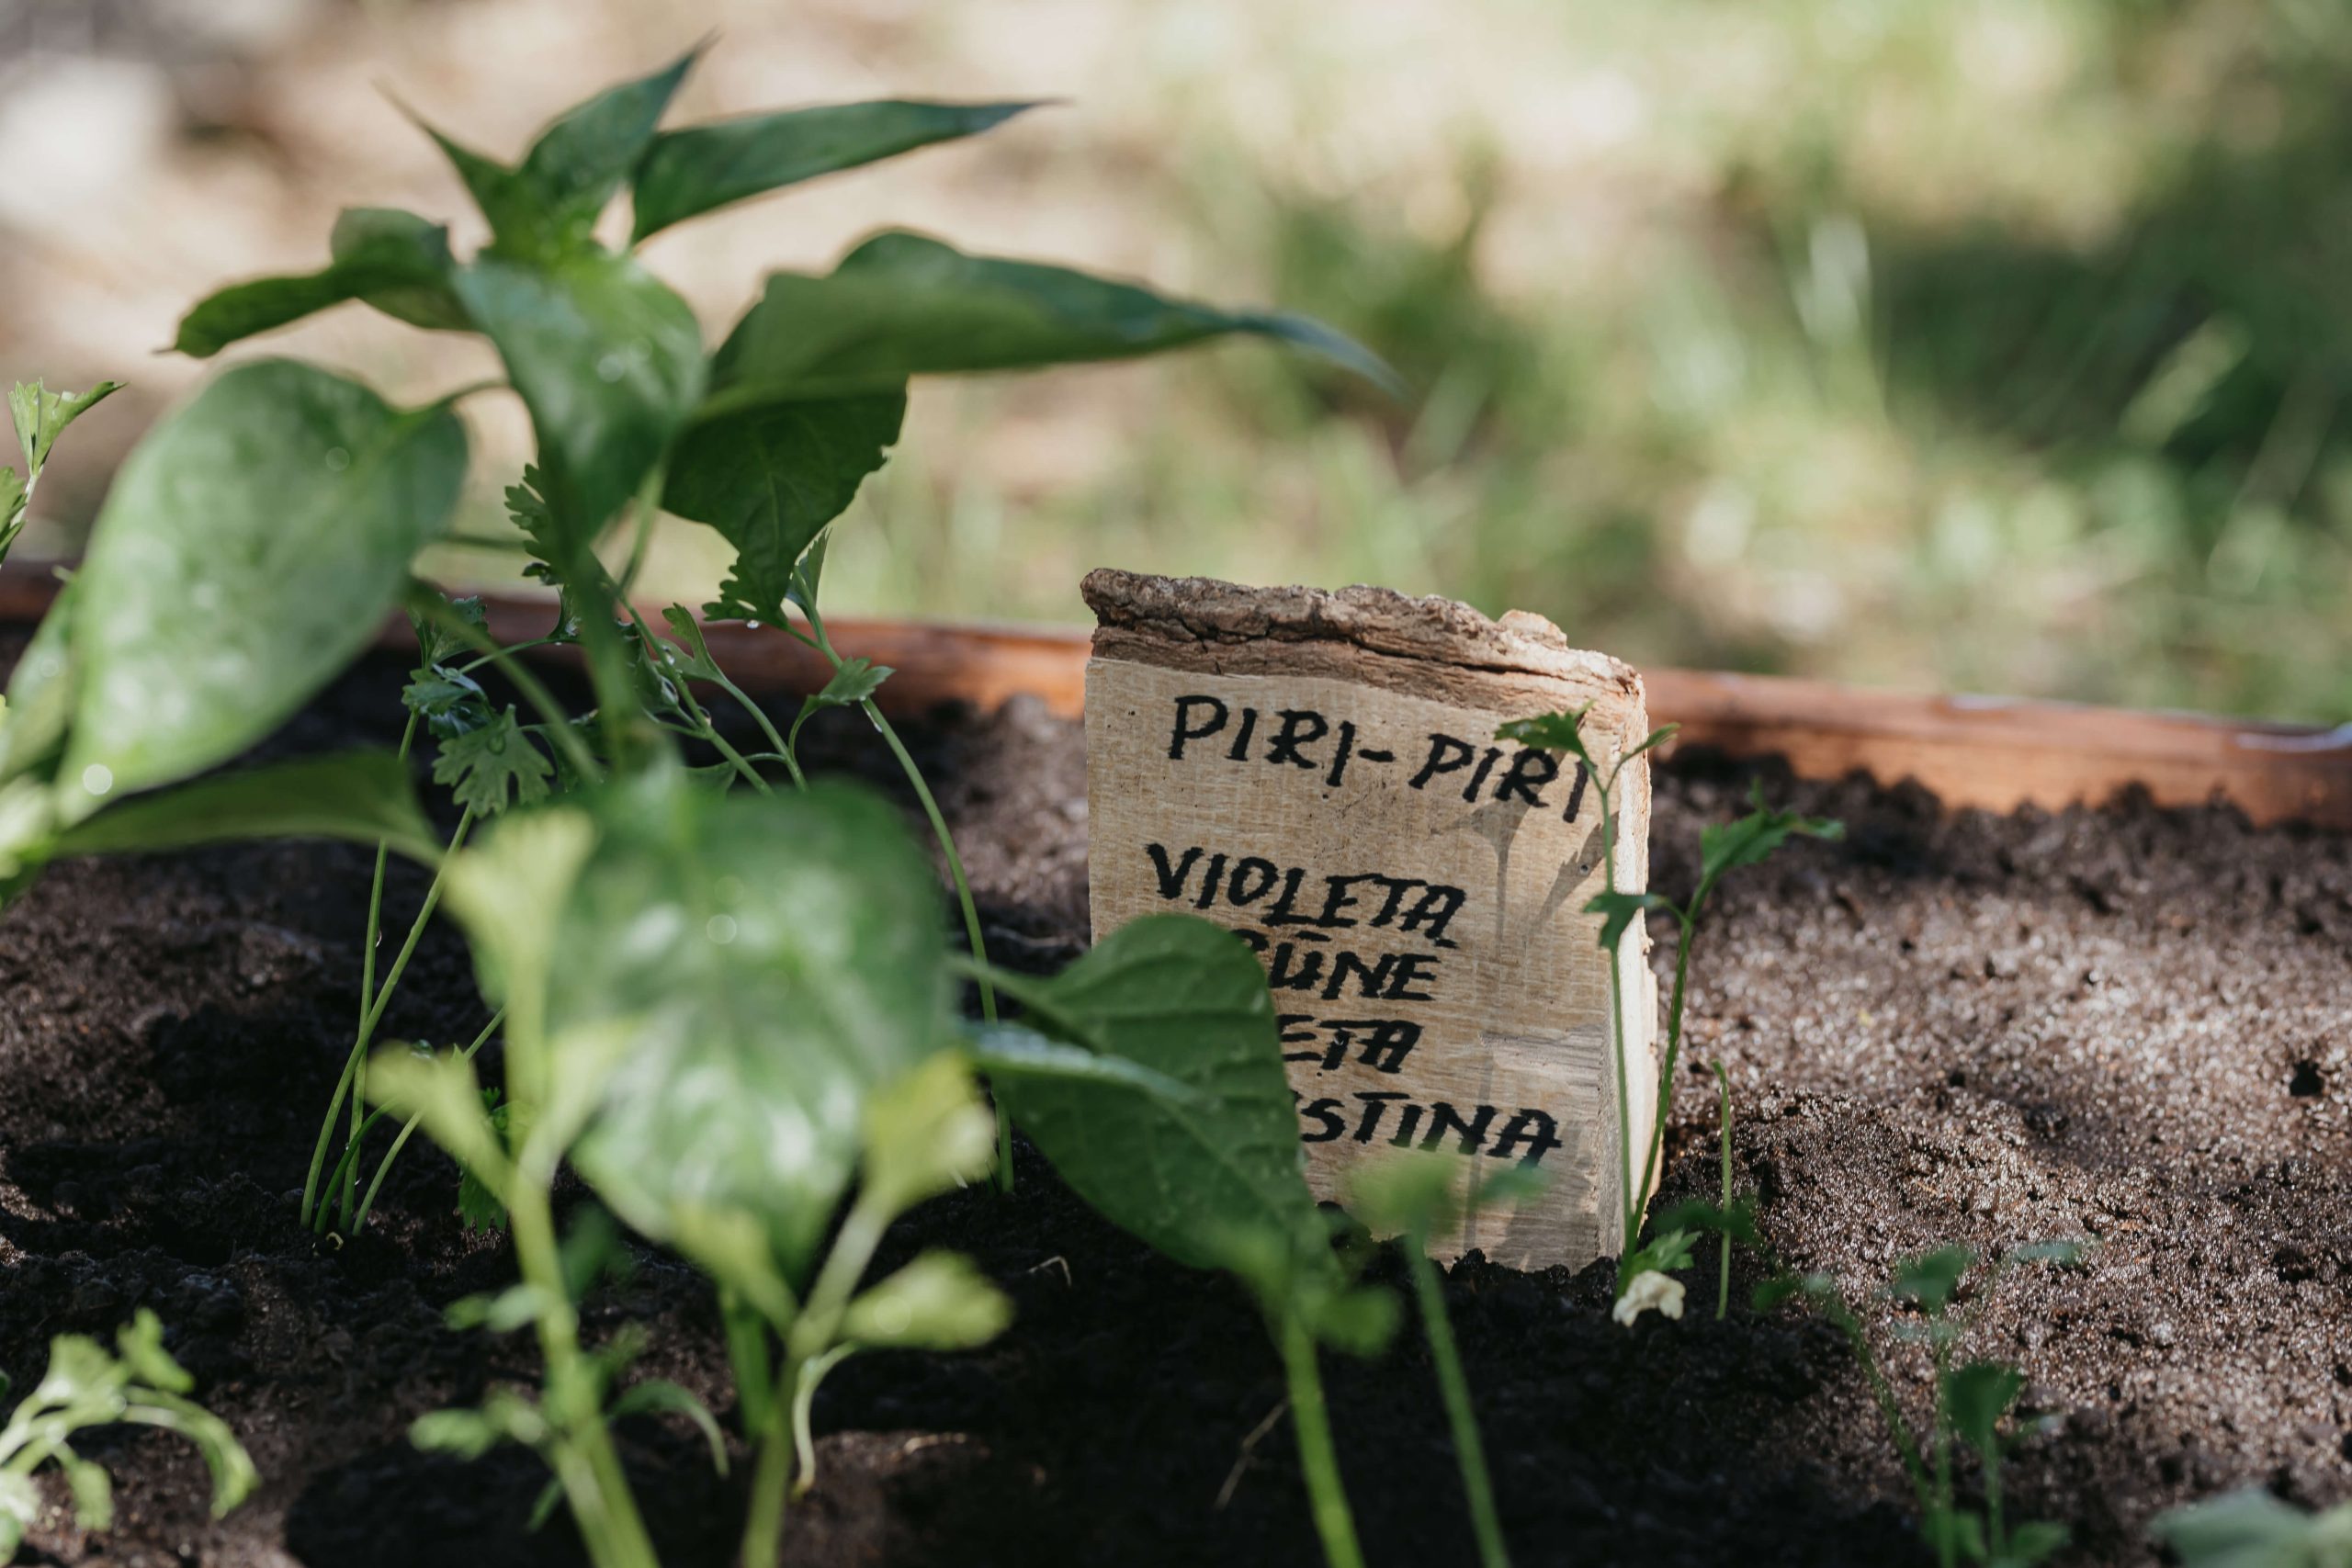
(355, 1069)
(367, 1204)
(586, 1462)
(804, 1399)
(771, 1478)
(783, 748)
(1673, 1046)
(1469, 1450)
(955, 870)
(1316, 1455)
(1723, 1286)
(747, 1357)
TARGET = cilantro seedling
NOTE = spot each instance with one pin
(1972, 1398)
(1723, 848)
(87, 1386)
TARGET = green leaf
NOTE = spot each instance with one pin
(1931, 1277)
(770, 478)
(1621, 909)
(92, 1489)
(904, 304)
(579, 162)
(939, 1302)
(854, 681)
(1186, 999)
(1560, 731)
(1012, 1050)
(444, 1095)
(140, 1344)
(1954, 1534)
(365, 796)
(1977, 1395)
(42, 689)
(1417, 1193)
(478, 1207)
(1772, 1292)
(926, 1133)
(1666, 1251)
(487, 767)
(252, 546)
(774, 960)
(1727, 846)
(1699, 1216)
(2037, 1540)
(694, 661)
(394, 260)
(435, 644)
(701, 168)
(2251, 1528)
(610, 362)
(40, 415)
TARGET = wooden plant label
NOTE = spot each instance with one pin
(1318, 773)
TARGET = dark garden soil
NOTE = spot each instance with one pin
(2131, 1026)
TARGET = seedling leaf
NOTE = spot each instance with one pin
(1977, 1395)
(283, 506)
(926, 1133)
(1185, 998)
(2251, 1528)
(365, 796)
(902, 305)
(768, 479)
(939, 1302)
(610, 362)
(1727, 846)
(580, 161)
(701, 168)
(775, 960)
(660, 1396)
(1931, 1277)
(487, 766)
(395, 260)
(40, 415)
(2040, 1540)
(695, 661)
(1620, 910)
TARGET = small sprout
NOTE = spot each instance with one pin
(139, 1384)
(2251, 1528)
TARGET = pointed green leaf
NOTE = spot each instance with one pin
(393, 259)
(770, 478)
(660, 1396)
(42, 689)
(1932, 1278)
(365, 796)
(1620, 910)
(904, 305)
(610, 362)
(854, 681)
(1727, 846)
(578, 164)
(1012, 1050)
(1977, 1395)
(693, 659)
(1185, 998)
(520, 224)
(926, 1133)
(92, 1489)
(40, 415)
(939, 1302)
(252, 546)
(701, 168)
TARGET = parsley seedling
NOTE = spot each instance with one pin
(1972, 1398)
(85, 1386)
(1723, 848)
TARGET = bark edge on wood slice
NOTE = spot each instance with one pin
(1317, 771)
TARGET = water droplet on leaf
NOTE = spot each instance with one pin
(97, 778)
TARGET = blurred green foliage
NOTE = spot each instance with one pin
(1997, 346)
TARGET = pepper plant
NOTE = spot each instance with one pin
(87, 1386)
(1723, 848)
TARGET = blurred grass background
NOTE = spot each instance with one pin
(1992, 345)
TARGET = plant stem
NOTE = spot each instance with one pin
(368, 961)
(1316, 1456)
(771, 1478)
(1723, 1287)
(955, 871)
(586, 1462)
(804, 1398)
(1673, 1044)
(1469, 1450)
(767, 727)
(359, 1221)
(426, 600)
(747, 1357)
(354, 1079)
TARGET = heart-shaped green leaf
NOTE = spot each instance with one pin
(251, 545)
(1187, 1000)
(775, 959)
